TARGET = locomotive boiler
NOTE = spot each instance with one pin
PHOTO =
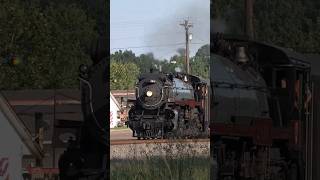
(261, 111)
(169, 105)
(87, 156)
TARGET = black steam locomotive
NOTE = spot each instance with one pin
(87, 156)
(262, 123)
(169, 105)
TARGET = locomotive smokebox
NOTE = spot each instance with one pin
(241, 55)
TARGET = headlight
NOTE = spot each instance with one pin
(149, 93)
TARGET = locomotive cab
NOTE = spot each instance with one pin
(289, 87)
(272, 87)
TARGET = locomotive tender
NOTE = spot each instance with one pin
(261, 112)
(169, 105)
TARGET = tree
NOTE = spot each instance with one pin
(123, 75)
(124, 56)
(146, 61)
(292, 24)
(200, 62)
(50, 41)
(126, 67)
(167, 67)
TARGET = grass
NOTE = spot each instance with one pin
(158, 168)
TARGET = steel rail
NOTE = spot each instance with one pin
(156, 141)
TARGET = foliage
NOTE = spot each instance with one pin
(49, 39)
(124, 56)
(123, 75)
(126, 62)
(196, 168)
(292, 24)
(146, 61)
(230, 13)
(200, 62)
(167, 67)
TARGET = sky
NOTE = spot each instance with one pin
(145, 26)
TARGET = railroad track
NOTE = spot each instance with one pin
(156, 141)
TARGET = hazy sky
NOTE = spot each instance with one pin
(153, 25)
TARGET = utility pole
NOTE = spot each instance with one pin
(186, 26)
(249, 18)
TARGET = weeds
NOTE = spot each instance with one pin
(173, 161)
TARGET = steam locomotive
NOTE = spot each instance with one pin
(262, 124)
(169, 106)
(87, 156)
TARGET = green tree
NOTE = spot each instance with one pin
(124, 56)
(177, 61)
(123, 75)
(49, 40)
(200, 62)
(292, 24)
(126, 67)
(166, 66)
(146, 61)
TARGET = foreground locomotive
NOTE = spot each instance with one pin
(261, 112)
(169, 105)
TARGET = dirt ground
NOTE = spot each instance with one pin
(119, 134)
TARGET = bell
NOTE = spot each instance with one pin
(241, 55)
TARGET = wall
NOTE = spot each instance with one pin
(11, 151)
(113, 113)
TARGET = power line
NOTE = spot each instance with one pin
(155, 35)
(150, 24)
(145, 21)
(200, 39)
(150, 46)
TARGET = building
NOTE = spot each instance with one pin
(124, 97)
(114, 111)
(19, 148)
(56, 114)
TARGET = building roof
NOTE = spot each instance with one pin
(130, 94)
(115, 100)
(67, 111)
(20, 128)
